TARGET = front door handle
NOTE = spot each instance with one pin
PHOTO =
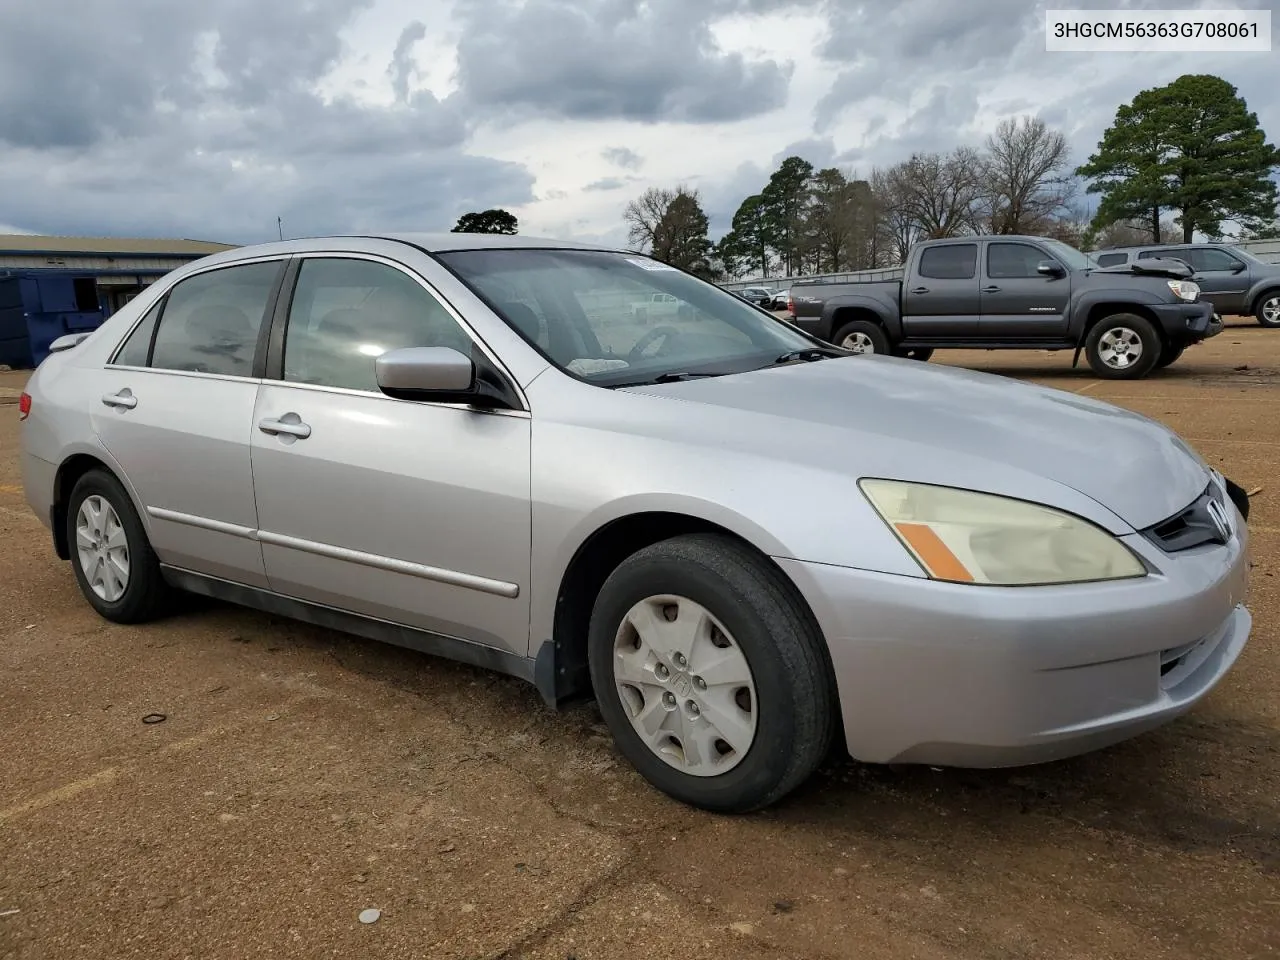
(992, 289)
(290, 424)
(920, 290)
(124, 399)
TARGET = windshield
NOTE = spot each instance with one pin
(1069, 255)
(613, 318)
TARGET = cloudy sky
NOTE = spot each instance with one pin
(209, 119)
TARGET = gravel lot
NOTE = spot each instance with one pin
(301, 776)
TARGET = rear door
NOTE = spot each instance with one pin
(940, 298)
(176, 410)
(1018, 302)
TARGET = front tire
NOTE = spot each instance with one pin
(862, 336)
(710, 674)
(1268, 312)
(1169, 354)
(1123, 346)
(114, 565)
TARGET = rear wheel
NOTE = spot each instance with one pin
(1268, 312)
(1123, 346)
(710, 674)
(114, 564)
(862, 336)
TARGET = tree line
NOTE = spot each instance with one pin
(1184, 159)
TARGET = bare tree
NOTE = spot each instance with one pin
(940, 193)
(643, 215)
(1026, 177)
(897, 225)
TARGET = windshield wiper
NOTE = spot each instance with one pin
(673, 377)
(811, 354)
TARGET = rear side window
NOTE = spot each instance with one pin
(1111, 259)
(210, 322)
(954, 261)
(1161, 254)
(137, 349)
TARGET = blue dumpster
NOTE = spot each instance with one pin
(37, 307)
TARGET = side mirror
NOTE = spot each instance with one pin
(441, 375)
(66, 342)
(1050, 268)
(1239, 267)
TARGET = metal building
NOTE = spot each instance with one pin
(55, 285)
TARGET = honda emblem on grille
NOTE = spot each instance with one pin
(1221, 522)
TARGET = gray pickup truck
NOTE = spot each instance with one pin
(1015, 293)
(1236, 282)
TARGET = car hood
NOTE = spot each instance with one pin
(881, 416)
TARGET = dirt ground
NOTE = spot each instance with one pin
(301, 776)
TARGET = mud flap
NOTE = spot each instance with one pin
(1075, 360)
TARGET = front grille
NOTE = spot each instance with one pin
(1206, 520)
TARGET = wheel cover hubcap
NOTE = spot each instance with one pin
(103, 548)
(685, 685)
(1120, 348)
(858, 343)
(1271, 310)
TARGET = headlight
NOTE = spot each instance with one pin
(966, 537)
(1185, 289)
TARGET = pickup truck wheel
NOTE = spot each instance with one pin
(1123, 346)
(1269, 309)
(710, 674)
(862, 336)
(1169, 353)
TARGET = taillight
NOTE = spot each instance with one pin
(24, 406)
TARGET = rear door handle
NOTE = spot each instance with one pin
(992, 289)
(124, 399)
(920, 290)
(290, 424)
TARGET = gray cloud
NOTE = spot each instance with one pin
(608, 183)
(623, 157)
(402, 67)
(608, 59)
(204, 119)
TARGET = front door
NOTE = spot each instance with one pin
(1222, 277)
(415, 513)
(1018, 302)
(175, 409)
(940, 296)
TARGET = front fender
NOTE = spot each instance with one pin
(1121, 296)
(1257, 290)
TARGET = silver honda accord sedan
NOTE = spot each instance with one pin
(748, 546)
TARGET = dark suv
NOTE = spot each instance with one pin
(1236, 282)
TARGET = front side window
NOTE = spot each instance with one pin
(1013, 260)
(956, 261)
(1208, 260)
(610, 318)
(210, 322)
(345, 313)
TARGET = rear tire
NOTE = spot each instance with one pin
(1268, 312)
(761, 720)
(1123, 346)
(114, 564)
(862, 336)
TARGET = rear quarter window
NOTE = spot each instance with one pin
(1111, 259)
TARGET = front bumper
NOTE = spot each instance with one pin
(1188, 322)
(961, 675)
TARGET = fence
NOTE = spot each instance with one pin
(1266, 250)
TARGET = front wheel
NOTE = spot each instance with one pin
(1123, 346)
(710, 674)
(1169, 353)
(862, 336)
(1268, 312)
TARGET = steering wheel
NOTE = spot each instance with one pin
(667, 331)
